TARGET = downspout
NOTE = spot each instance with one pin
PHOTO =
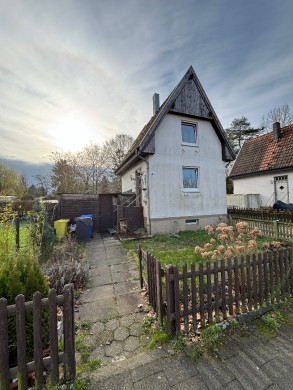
(148, 190)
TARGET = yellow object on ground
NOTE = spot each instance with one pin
(60, 227)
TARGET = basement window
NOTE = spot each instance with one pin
(192, 221)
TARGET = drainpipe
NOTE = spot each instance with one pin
(148, 191)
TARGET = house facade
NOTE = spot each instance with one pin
(264, 166)
(176, 166)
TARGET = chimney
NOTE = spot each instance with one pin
(156, 103)
(276, 131)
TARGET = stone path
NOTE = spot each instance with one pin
(250, 363)
(111, 302)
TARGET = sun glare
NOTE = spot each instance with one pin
(72, 132)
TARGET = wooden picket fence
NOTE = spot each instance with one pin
(40, 363)
(217, 291)
(273, 223)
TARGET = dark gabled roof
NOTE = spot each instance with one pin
(264, 154)
(206, 111)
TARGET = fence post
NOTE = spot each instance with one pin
(139, 252)
(4, 357)
(170, 300)
(68, 327)
(275, 228)
(17, 225)
(38, 345)
(21, 341)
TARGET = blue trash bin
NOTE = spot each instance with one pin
(91, 227)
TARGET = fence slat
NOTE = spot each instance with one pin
(54, 374)
(230, 293)
(201, 295)
(209, 293)
(266, 277)
(271, 270)
(290, 254)
(170, 300)
(277, 277)
(139, 252)
(38, 345)
(160, 309)
(68, 327)
(243, 286)
(236, 285)
(193, 297)
(4, 357)
(177, 300)
(21, 341)
(287, 274)
(223, 287)
(260, 262)
(216, 292)
(281, 270)
(248, 281)
(254, 281)
(185, 298)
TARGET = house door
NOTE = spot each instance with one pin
(281, 188)
(106, 217)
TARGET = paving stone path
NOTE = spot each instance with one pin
(250, 363)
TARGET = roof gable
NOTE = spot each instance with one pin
(263, 154)
(188, 98)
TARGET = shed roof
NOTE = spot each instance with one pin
(263, 154)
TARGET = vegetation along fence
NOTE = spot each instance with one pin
(277, 224)
(216, 291)
(40, 363)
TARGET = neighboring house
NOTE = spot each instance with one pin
(264, 166)
(176, 166)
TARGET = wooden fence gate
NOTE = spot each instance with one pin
(40, 363)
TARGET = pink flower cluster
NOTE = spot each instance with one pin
(228, 241)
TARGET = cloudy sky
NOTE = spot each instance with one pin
(75, 71)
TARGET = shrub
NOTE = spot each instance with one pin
(227, 241)
(66, 265)
(21, 274)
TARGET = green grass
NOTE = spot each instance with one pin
(177, 249)
(9, 232)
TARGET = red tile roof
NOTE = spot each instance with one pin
(263, 154)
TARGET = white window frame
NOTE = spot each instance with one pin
(195, 189)
(195, 127)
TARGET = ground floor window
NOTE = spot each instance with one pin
(190, 178)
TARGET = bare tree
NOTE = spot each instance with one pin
(117, 148)
(282, 115)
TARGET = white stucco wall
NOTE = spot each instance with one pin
(263, 185)
(167, 197)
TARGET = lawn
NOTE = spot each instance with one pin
(177, 249)
(9, 232)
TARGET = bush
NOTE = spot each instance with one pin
(21, 274)
(66, 265)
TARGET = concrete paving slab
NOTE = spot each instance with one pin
(119, 277)
(126, 287)
(98, 293)
(128, 303)
(118, 382)
(177, 369)
(193, 383)
(97, 311)
(155, 381)
(100, 280)
(146, 370)
(248, 373)
(214, 372)
(277, 371)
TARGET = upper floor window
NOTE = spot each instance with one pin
(189, 133)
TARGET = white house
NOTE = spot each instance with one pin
(264, 166)
(176, 165)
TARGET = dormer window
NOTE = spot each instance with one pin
(189, 133)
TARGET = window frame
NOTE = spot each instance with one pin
(190, 189)
(195, 127)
